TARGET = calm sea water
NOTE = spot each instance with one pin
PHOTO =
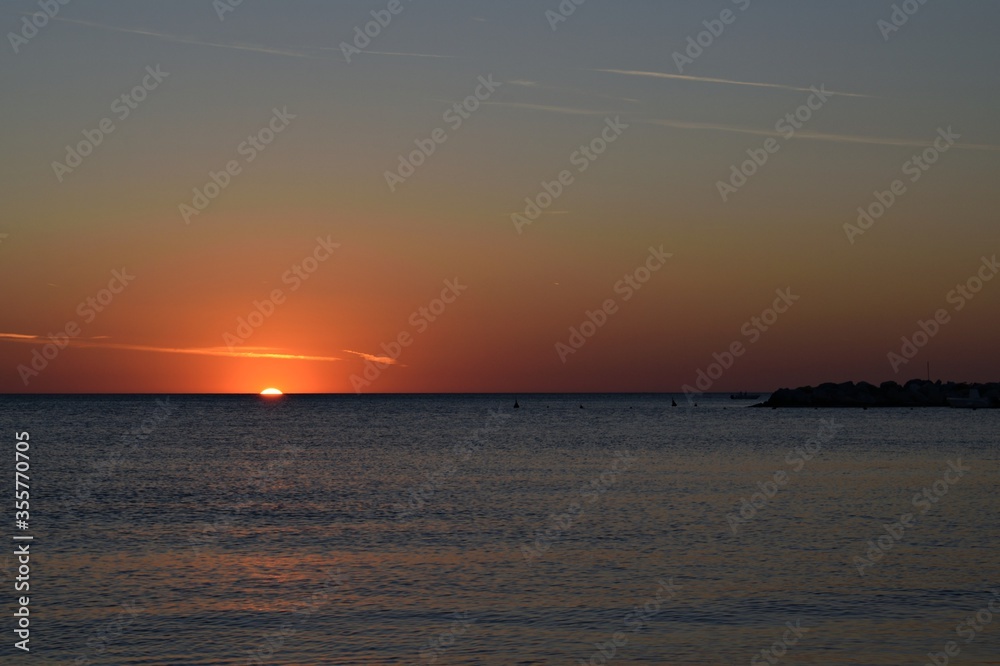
(456, 530)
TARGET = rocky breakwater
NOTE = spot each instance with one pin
(915, 393)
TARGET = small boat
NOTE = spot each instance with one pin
(516, 406)
(673, 403)
(974, 401)
(743, 395)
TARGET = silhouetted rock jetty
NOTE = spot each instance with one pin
(915, 393)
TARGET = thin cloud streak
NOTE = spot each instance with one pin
(548, 109)
(730, 82)
(816, 136)
(249, 352)
(387, 53)
(535, 85)
(734, 129)
(238, 46)
(186, 40)
(384, 360)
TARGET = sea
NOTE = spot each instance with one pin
(456, 529)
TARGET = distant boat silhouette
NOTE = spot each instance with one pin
(673, 403)
(743, 395)
(516, 406)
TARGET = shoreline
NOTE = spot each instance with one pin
(915, 393)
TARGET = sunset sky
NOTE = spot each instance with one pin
(381, 248)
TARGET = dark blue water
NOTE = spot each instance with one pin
(456, 530)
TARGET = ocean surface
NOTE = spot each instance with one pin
(457, 530)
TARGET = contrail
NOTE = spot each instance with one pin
(249, 352)
(730, 82)
(384, 360)
(186, 40)
(815, 136)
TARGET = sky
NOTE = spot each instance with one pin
(201, 196)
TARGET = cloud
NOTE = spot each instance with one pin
(387, 53)
(816, 136)
(257, 48)
(549, 109)
(535, 85)
(187, 40)
(410, 55)
(729, 82)
(225, 352)
(384, 360)
(888, 141)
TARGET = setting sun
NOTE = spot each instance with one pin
(271, 391)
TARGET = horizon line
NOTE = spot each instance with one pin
(352, 393)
